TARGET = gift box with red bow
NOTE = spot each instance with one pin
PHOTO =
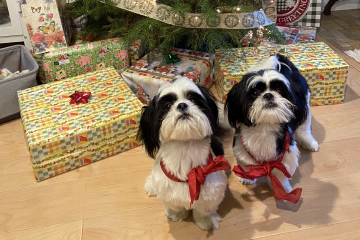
(78, 121)
(324, 70)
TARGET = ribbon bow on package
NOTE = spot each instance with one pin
(79, 97)
(172, 58)
(264, 169)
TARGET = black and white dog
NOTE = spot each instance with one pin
(263, 107)
(177, 129)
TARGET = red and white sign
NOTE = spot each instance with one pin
(293, 12)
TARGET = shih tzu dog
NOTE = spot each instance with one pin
(267, 108)
(177, 129)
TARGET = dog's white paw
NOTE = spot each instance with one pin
(176, 216)
(246, 181)
(312, 146)
(148, 188)
(308, 142)
(209, 222)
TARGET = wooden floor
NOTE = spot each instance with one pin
(106, 200)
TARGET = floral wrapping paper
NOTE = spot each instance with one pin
(47, 28)
(145, 78)
(83, 58)
(63, 136)
(325, 72)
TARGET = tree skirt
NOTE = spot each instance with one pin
(354, 54)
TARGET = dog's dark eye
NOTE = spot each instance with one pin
(281, 92)
(167, 106)
(193, 101)
(255, 92)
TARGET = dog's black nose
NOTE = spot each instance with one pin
(268, 96)
(182, 107)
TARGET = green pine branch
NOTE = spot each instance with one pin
(104, 20)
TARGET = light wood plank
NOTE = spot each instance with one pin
(117, 193)
(11, 127)
(346, 230)
(41, 206)
(17, 172)
(68, 230)
(13, 144)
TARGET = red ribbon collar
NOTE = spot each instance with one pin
(197, 176)
(264, 169)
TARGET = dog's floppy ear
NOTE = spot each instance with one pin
(211, 100)
(236, 103)
(286, 67)
(149, 129)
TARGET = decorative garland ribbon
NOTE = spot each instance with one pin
(166, 14)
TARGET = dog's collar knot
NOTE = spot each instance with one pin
(265, 168)
(197, 176)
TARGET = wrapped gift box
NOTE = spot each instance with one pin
(63, 136)
(145, 78)
(83, 58)
(306, 35)
(47, 25)
(136, 51)
(289, 33)
(325, 72)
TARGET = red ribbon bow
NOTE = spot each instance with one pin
(79, 97)
(264, 169)
(197, 176)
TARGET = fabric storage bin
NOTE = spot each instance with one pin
(15, 58)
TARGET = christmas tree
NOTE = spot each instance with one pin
(104, 19)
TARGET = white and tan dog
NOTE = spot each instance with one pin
(177, 129)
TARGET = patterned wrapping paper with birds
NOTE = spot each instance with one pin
(145, 78)
(80, 59)
(63, 136)
(46, 23)
(324, 70)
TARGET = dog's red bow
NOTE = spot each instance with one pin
(197, 176)
(264, 169)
